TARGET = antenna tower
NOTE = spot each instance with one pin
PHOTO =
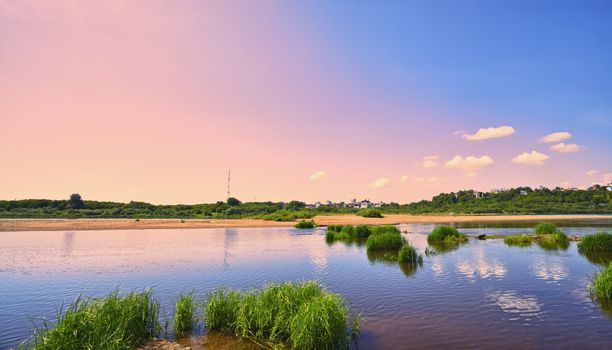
(229, 172)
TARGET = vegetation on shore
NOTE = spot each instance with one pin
(306, 224)
(112, 322)
(520, 200)
(302, 314)
(370, 213)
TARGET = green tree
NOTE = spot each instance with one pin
(233, 201)
(75, 201)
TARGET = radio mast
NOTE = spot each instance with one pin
(229, 172)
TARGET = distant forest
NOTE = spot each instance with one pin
(521, 200)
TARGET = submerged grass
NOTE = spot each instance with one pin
(302, 314)
(385, 241)
(112, 322)
(306, 224)
(518, 240)
(408, 253)
(184, 314)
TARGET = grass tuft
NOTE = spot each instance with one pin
(112, 322)
(518, 240)
(302, 314)
(596, 242)
(184, 314)
(408, 253)
(385, 241)
(446, 235)
(306, 224)
(601, 288)
(545, 228)
(554, 241)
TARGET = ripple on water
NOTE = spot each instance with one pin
(523, 308)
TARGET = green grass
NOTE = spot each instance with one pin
(370, 213)
(554, 241)
(184, 314)
(112, 322)
(446, 235)
(334, 228)
(377, 230)
(385, 241)
(601, 287)
(545, 228)
(306, 224)
(408, 253)
(518, 240)
(302, 314)
(596, 242)
(344, 232)
(363, 231)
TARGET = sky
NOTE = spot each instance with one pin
(310, 100)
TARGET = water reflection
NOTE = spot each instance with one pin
(479, 266)
(600, 258)
(67, 244)
(550, 269)
(523, 308)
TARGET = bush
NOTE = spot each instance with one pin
(113, 322)
(306, 224)
(545, 228)
(184, 314)
(385, 241)
(302, 314)
(370, 213)
(408, 253)
(445, 234)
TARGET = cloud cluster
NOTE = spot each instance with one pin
(469, 163)
(317, 176)
(566, 148)
(533, 158)
(429, 162)
(489, 133)
(556, 137)
(380, 183)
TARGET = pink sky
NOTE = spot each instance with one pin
(155, 100)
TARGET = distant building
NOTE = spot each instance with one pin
(609, 186)
(523, 193)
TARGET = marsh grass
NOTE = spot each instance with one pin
(377, 230)
(304, 224)
(555, 241)
(545, 228)
(385, 241)
(408, 253)
(347, 232)
(184, 314)
(112, 322)
(302, 314)
(446, 235)
(601, 288)
(596, 242)
(518, 240)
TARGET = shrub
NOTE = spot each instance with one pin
(370, 213)
(445, 234)
(306, 224)
(545, 228)
(113, 322)
(385, 241)
(408, 253)
(184, 314)
(518, 240)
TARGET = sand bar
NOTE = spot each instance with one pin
(131, 224)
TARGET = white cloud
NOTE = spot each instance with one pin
(591, 173)
(429, 182)
(317, 176)
(566, 148)
(429, 162)
(533, 158)
(556, 137)
(404, 178)
(469, 163)
(607, 178)
(489, 133)
(380, 183)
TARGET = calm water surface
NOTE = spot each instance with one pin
(482, 295)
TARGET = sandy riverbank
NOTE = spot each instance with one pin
(130, 224)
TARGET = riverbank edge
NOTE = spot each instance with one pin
(7, 225)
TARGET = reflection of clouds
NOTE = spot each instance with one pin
(479, 266)
(552, 270)
(318, 257)
(511, 302)
(436, 267)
